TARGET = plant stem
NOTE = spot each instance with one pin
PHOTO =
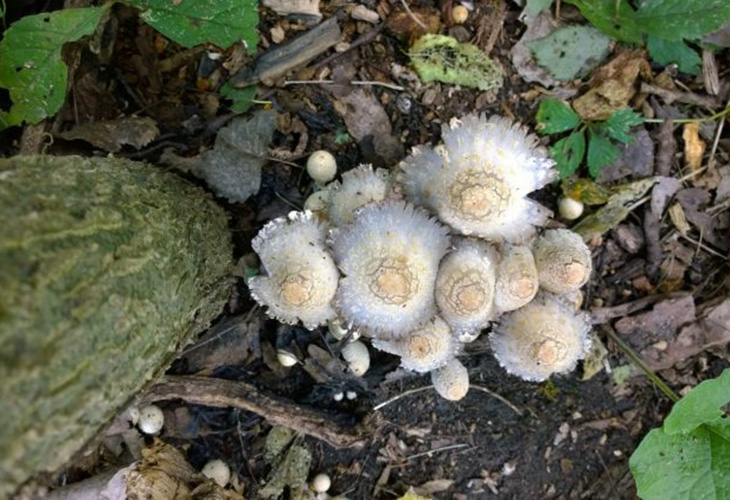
(636, 359)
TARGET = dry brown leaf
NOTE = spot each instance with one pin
(613, 85)
(111, 135)
(679, 219)
(694, 147)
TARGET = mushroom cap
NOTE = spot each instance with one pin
(517, 281)
(451, 381)
(563, 261)
(465, 286)
(322, 166)
(542, 338)
(359, 186)
(479, 185)
(357, 356)
(389, 256)
(423, 349)
(301, 275)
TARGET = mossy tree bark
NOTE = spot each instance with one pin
(107, 267)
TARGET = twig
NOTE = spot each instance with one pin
(641, 364)
(353, 82)
(702, 246)
(685, 97)
(366, 38)
(443, 448)
(605, 314)
(220, 393)
(500, 398)
(413, 16)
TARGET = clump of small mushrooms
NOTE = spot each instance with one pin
(421, 260)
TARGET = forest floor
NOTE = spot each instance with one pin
(658, 276)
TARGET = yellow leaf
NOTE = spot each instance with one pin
(694, 147)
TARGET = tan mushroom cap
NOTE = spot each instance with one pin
(542, 338)
(517, 281)
(451, 381)
(563, 261)
(389, 256)
(423, 349)
(479, 181)
(465, 286)
(359, 187)
(301, 276)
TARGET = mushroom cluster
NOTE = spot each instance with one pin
(424, 258)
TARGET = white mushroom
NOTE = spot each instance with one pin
(451, 381)
(479, 185)
(517, 282)
(151, 419)
(218, 471)
(301, 278)
(563, 261)
(321, 483)
(389, 256)
(569, 208)
(424, 349)
(544, 337)
(359, 187)
(357, 356)
(322, 167)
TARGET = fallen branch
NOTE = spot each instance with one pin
(671, 96)
(221, 393)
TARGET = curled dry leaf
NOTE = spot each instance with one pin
(111, 135)
(694, 147)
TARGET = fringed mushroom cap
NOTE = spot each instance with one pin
(359, 187)
(301, 275)
(424, 349)
(465, 286)
(389, 256)
(451, 381)
(542, 338)
(517, 282)
(479, 185)
(563, 261)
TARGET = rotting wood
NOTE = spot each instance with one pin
(221, 393)
(280, 60)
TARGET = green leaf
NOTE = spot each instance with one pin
(554, 116)
(615, 18)
(701, 406)
(689, 457)
(570, 51)
(568, 153)
(601, 153)
(242, 98)
(677, 52)
(31, 67)
(534, 7)
(619, 124)
(444, 59)
(678, 19)
(193, 22)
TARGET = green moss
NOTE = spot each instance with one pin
(106, 268)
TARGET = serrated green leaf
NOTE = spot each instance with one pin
(568, 153)
(601, 153)
(619, 124)
(677, 52)
(554, 116)
(242, 98)
(678, 19)
(615, 18)
(444, 59)
(689, 457)
(570, 51)
(193, 22)
(701, 406)
(31, 67)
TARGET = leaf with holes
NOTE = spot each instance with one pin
(568, 153)
(192, 22)
(31, 67)
(689, 457)
(554, 116)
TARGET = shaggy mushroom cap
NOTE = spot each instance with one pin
(517, 282)
(359, 187)
(479, 183)
(424, 349)
(465, 286)
(301, 275)
(563, 261)
(542, 338)
(451, 381)
(389, 256)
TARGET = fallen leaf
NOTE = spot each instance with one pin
(570, 51)
(307, 9)
(402, 24)
(229, 342)
(615, 211)
(435, 486)
(676, 213)
(663, 191)
(612, 86)
(694, 201)
(291, 472)
(694, 147)
(412, 495)
(111, 135)
(522, 57)
(636, 159)
(593, 362)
